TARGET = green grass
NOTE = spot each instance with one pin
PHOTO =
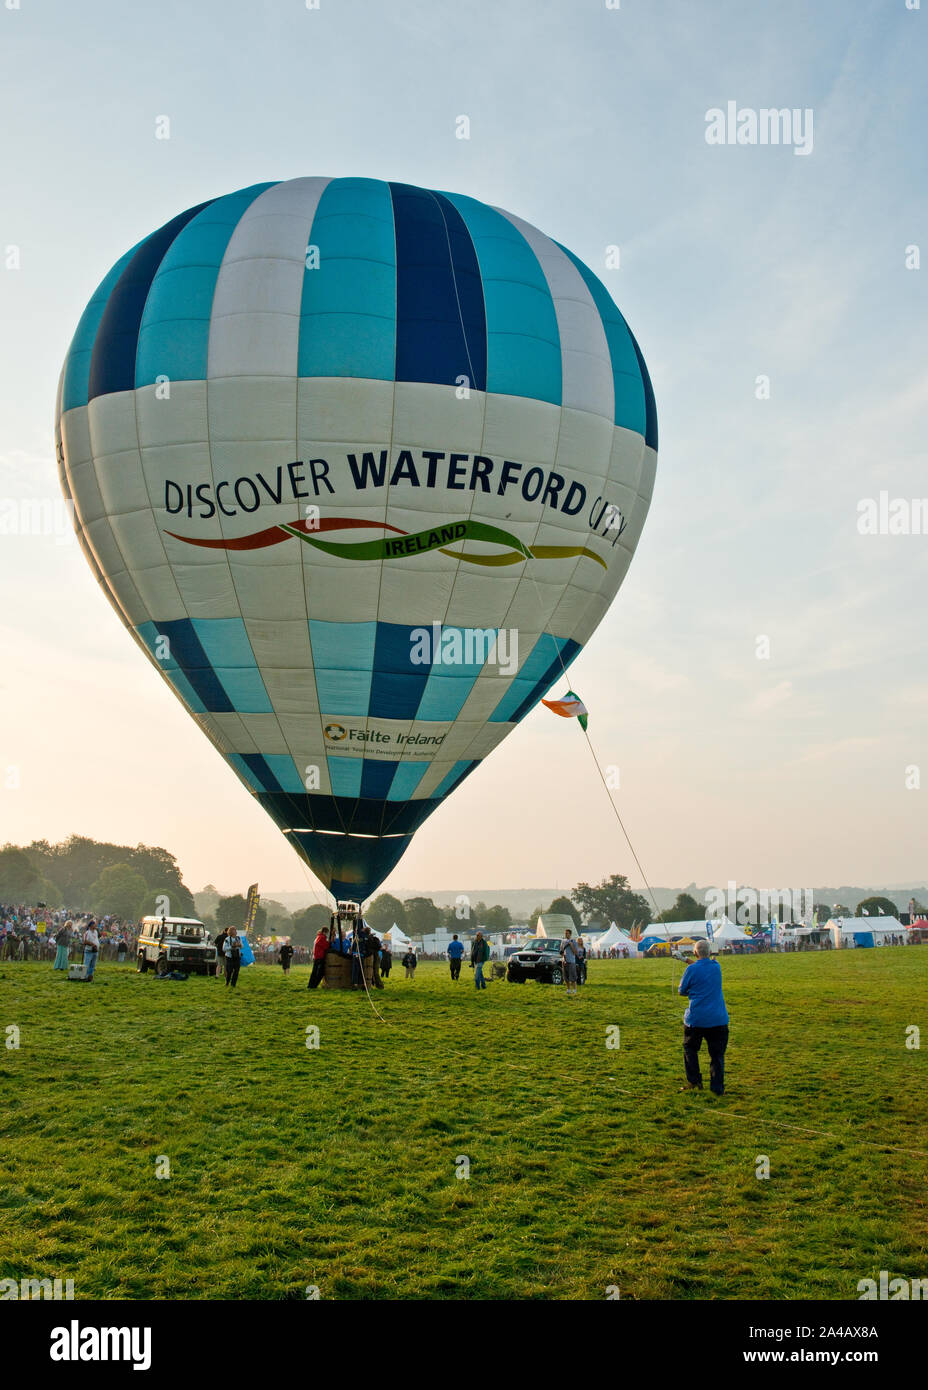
(336, 1167)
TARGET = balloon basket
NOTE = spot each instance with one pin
(337, 973)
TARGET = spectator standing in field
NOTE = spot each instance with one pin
(359, 949)
(455, 956)
(320, 946)
(220, 944)
(706, 1017)
(232, 950)
(479, 955)
(121, 947)
(409, 960)
(386, 960)
(91, 949)
(286, 956)
(568, 949)
(62, 944)
(374, 951)
(581, 961)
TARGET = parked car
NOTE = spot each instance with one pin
(175, 943)
(539, 960)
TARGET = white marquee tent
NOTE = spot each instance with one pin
(396, 937)
(616, 937)
(555, 924)
(724, 931)
(727, 932)
(672, 931)
(865, 931)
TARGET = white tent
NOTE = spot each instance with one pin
(616, 937)
(864, 931)
(727, 932)
(673, 931)
(396, 937)
(556, 924)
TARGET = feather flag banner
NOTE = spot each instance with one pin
(570, 706)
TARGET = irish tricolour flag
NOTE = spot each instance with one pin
(570, 706)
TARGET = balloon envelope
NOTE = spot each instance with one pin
(360, 466)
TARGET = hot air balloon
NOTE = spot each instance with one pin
(360, 466)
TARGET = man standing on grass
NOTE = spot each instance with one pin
(706, 1017)
(320, 946)
(479, 955)
(91, 949)
(571, 961)
(455, 952)
(232, 949)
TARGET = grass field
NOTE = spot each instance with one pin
(337, 1167)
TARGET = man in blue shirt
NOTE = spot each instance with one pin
(455, 951)
(706, 1017)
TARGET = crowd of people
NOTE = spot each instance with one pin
(34, 933)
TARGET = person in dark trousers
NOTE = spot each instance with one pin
(386, 960)
(706, 1017)
(232, 949)
(409, 960)
(374, 946)
(569, 957)
(367, 945)
(320, 946)
(360, 948)
(455, 956)
(479, 955)
(286, 956)
(581, 961)
(91, 950)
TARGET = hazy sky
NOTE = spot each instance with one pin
(736, 262)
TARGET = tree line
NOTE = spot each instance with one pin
(123, 880)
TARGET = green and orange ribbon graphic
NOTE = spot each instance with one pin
(410, 543)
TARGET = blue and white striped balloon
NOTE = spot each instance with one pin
(329, 440)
